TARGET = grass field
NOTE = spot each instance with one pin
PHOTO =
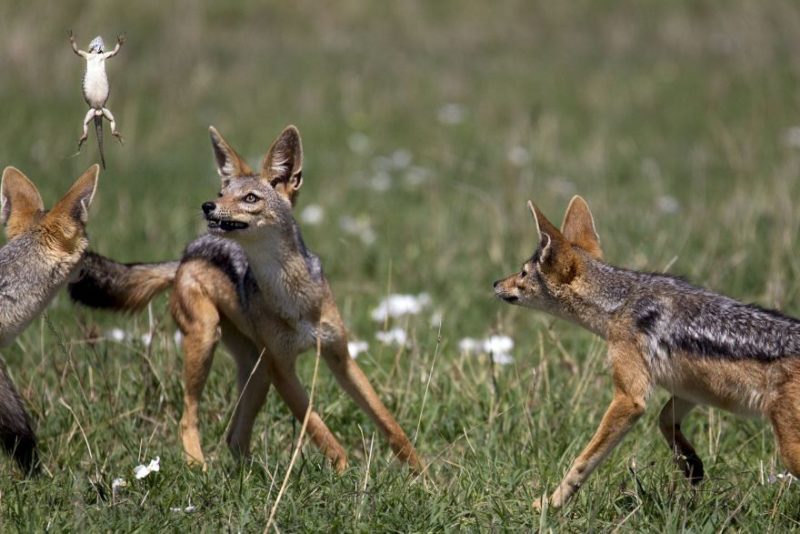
(426, 127)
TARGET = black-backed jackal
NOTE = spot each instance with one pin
(252, 283)
(43, 250)
(702, 347)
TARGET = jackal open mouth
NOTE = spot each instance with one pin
(225, 225)
(509, 298)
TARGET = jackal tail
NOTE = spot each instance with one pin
(105, 283)
(98, 129)
(16, 435)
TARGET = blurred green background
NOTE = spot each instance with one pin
(426, 127)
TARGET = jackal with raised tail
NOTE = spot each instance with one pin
(253, 284)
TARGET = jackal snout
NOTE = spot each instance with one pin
(506, 289)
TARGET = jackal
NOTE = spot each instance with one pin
(252, 283)
(702, 347)
(42, 251)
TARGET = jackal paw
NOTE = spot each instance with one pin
(118, 136)
(81, 141)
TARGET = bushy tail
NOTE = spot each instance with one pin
(98, 129)
(105, 283)
(16, 435)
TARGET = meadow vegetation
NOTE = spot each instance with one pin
(426, 127)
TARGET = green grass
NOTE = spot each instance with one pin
(636, 106)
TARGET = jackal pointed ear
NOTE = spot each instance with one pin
(283, 164)
(543, 225)
(20, 202)
(75, 203)
(548, 234)
(229, 163)
(578, 227)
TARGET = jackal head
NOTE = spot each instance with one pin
(63, 228)
(250, 203)
(552, 279)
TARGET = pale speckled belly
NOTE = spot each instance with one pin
(740, 387)
(95, 85)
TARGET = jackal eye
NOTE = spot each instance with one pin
(250, 198)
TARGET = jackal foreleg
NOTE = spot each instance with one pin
(631, 387)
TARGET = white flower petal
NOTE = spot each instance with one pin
(498, 344)
(358, 142)
(470, 345)
(357, 347)
(312, 214)
(502, 358)
(116, 334)
(451, 114)
(395, 336)
(519, 156)
(142, 471)
(398, 305)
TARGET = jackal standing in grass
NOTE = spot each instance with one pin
(702, 347)
(252, 283)
(43, 250)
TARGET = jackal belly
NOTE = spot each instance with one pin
(738, 386)
(283, 335)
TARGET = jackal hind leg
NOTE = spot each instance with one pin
(353, 380)
(252, 385)
(284, 377)
(86, 120)
(669, 422)
(107, 114)
(199, 321)
(631, 387)
(785, 417)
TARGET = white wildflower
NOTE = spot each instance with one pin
(178, 338)
(117, 486)
(772, 479)
(141, 471)
(416, 175)
(359, 227)
(312, 214)
(519, 156)
(668, 204)
(399, 305)
(502, 358)
(358, 142)
(470, 345)
(357, 347)
(451, 114)
(498, 344)
(395, 336)
(401, 158)
(116, 334)
(147, 338)
(381, 181)
(188, 509)
(498, 347)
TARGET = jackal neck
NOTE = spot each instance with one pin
(598, 294)
(286, 271)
